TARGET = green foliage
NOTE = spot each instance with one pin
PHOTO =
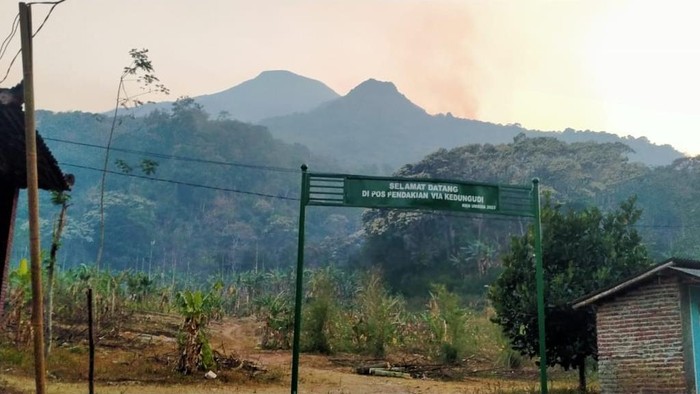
(21, 282)
(583, 251)
(19, 302)
(447, 324)
(198, 231)
(148, 166)
(197, 309)
(196, 306)
(321, 313)
(123, 166)
(342, 313)
(109, 297)
(414, 249)
(60, 198)
(377, 318)
(507, 357)
(11, 356)
(139, 287)
(277, 314)
(142, 67)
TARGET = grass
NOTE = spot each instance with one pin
(13, 357)
(5, 388)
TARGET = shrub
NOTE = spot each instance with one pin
(321, 313)
(446, 323)
(377, 318)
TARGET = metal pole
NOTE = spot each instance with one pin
(300, 279)
(539, 277)
(25, 20)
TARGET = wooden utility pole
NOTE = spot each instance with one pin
(91, 344)
(25, 22)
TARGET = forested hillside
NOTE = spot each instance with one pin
(218, 196)
(223, 197)
(416, 249)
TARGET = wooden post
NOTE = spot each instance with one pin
(25, 23)
(91, 344)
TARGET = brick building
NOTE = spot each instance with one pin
(649, 330)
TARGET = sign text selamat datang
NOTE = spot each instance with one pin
(420, 194)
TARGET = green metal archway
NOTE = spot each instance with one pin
(343, 190)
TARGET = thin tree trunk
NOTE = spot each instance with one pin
(51, 274)
(101, 244)
(582, 375)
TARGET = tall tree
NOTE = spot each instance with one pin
(582, 251)
(141, 69)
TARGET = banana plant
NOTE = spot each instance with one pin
(195, 351)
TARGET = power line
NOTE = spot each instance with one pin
(465, 215)
(674, 226)
(12, 62)
(6, 43)
(183, 183)
(53, 5)
(181, 158)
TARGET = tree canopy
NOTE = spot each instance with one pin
(415, 249)
(582, 251)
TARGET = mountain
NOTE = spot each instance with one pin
(375, 125)
(272, 93)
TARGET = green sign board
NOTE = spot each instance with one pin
(414, 193)
(419, 194)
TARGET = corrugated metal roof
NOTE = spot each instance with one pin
(675, 265)
(690, 271)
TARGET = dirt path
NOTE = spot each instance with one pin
(312, 381)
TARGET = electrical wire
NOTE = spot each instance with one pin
(465, 215)
(181, 158)
(53, 6)
(183, 183)
(6, 42)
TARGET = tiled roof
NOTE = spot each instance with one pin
(13, 171)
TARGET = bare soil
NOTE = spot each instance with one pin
(141, 359)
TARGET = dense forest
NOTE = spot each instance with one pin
(197, 210)
(218, 197)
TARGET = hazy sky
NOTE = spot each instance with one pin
(630, 67)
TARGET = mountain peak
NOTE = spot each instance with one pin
(376, 95)
(279, 74)
(373, 87)
(271, 93)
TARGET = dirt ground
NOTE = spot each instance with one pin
(142, 358)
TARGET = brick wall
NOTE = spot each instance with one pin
(640, 340)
